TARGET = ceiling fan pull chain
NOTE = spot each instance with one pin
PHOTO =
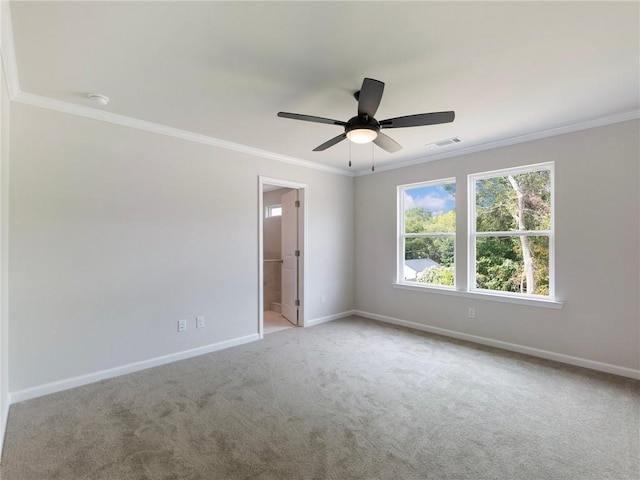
(373, 167)
(349, 153)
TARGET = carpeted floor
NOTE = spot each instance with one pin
(350, 399)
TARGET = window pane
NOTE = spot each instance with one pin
(274, 211)
(429, 260)
(430, 209)
(520, 201)
(513, 264)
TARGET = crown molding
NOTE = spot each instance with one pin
(600, 122)
(8, 51)
(100, 115)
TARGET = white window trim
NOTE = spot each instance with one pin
(270, 208)
(472, 234)
(462, 290)
(528, 300)
(401, 236)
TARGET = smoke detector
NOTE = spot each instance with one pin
(98, 99)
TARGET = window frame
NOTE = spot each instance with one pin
(463, 254)
(402, 236)
(270, 208)
(473, 235)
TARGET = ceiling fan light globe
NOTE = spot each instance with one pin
(362, 135)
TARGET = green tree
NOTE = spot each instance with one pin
(508, 203)
(416, 219)
(437, 275)
(438, 249)
(445, 222)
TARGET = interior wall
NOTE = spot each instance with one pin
(597, 210)
(4, 191)
(272, 236)
(117, 233)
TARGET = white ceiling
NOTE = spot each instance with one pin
(224, 69)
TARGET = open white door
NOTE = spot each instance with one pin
(290, 256)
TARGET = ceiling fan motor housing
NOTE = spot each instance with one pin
(362, 123)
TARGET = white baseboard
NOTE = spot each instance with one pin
(330, 318)
(535, 352)
(53, 387)
(3, 421)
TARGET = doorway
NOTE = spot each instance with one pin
(281, 254)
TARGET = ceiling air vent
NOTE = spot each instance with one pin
(444, 143)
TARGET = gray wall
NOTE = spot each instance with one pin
(4, 207)
(597, 249)
(117, 233)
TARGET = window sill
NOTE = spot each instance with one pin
(492, 297)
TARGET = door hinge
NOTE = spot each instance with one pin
(297, 253)
(297, 303)
(298, 203)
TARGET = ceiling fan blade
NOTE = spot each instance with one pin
(418, 120)
(330, 143)
(310, 118)
(387, 143)
(369, 97)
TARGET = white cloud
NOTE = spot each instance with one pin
(433, 203)
(409, 203)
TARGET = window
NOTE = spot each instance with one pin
(427, 233)
(511, 231)
(274, 211)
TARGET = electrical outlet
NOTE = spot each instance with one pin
(182, 325)
(471, 312)
(323, 299)
(200, 321)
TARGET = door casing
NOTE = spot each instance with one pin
(302, 242)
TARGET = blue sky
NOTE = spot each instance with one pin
(434, 198)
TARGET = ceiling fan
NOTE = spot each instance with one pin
(364, 128)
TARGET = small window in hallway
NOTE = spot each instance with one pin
(274, 211)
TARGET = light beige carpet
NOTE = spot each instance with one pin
(351, 399)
